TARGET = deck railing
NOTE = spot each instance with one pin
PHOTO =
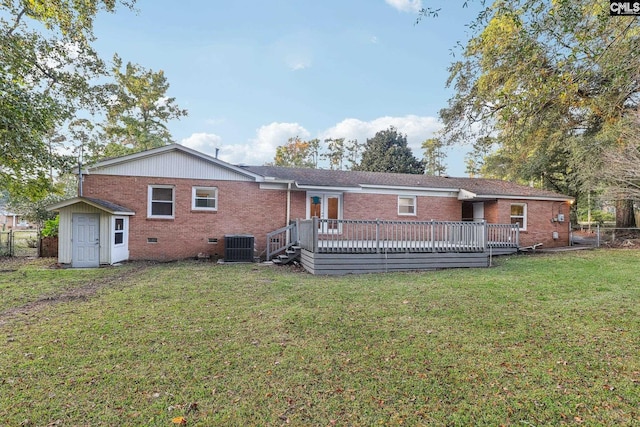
(360, 236)
(503, 235)
(280, 240)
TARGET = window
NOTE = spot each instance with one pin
(406, 205)
(118, 238)
(519, 215)
(204, 199)
(161, 201)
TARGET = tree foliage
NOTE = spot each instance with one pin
(622, 172)
(388, 151)
(544, 79)
(295, 153)
(47, 65)
(434, 157)
(335, 154)
(138, 110)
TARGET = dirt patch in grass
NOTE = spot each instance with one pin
(78, 293)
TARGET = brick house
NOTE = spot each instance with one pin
(174, 202)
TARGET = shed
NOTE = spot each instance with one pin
(92, 232)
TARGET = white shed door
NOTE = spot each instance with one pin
(85, 240)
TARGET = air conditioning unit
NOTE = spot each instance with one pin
(239, 248)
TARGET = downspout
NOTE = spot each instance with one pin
(288, 204)
(79, 178)
(288, 236)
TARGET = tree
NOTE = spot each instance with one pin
(622, 172)
(296, 153)
(388, 151)
(139, 110)
(476, 159)
(47, 65)
(353, 152)
(335, 153)
(545, 78)
(434, 157)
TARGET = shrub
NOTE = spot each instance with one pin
(50, 228)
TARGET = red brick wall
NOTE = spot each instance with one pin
(245, 209)
(541, 221)
(385, 206)
(242, 209)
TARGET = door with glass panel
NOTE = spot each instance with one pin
(325, 206)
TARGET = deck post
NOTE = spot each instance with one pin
(485, 234)
(314, 231)
(433, 236)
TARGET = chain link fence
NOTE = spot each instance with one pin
(19, 243)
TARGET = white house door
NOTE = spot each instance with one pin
(85, 240)
(478, 211)
(325, 206)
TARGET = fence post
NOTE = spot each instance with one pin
(377, 236)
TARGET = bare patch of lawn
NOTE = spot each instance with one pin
(540, 340)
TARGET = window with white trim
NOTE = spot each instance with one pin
(118, 235)
(204, 198)
(406, 205)
(519, 215)
(161, 203)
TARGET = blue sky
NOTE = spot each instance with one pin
(254, 73)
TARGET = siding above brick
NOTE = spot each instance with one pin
(171, 164)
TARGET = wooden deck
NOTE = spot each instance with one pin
(357, 263)
(356, 246)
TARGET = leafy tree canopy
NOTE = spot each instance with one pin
(138, 110)
(297, 153)
(46, 68)
(388, 151)
(549, 82)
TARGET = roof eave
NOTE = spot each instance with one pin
(63, 204)
(410, 187)
(521, 197)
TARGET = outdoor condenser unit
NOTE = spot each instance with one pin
(238, 248)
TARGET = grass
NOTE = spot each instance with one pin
(539, 340)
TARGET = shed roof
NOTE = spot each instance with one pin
(104, 205)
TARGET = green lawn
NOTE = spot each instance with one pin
(536, 340)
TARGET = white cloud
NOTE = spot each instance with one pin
(204, 142)
(296, 64)
(417, 129)
(295, 50)
(162, 102)
(262, 148)
(405, 5)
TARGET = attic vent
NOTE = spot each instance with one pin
(238, 248)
